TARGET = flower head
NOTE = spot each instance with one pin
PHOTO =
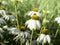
(44, 38)
(22, 27)
(45, 31)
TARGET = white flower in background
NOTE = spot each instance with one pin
(4, 2)
(44, 38)
(57, 19)
(22, 36)
(11, 17)
(33, 24)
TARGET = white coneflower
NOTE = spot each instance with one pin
(33, 24)
(44, 37)
(23, 36)
(57, 19)
(10, 16)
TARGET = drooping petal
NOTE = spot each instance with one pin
(40, 38)
(48, 38)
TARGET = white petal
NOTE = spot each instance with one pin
(40, 38)
(1, 30)
(57, 19)
(45, 39)
(48, 38)
(38, 25)
(5, 27)
(2, 21)
(30, 13)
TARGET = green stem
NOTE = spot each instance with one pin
(56, 33)
(31, 37)
(17, 20)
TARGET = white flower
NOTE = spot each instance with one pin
(22, 36)
(33, 24)
(3, 12)
(44, 38)
(57, 19)
(4, 2)
(32, 13)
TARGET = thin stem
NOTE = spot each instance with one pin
(31, 37)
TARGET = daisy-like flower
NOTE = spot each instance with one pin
(57, 19)
(44, 37)
(2, 11)
(10, 16)
(23, 36)
(33, 24)
(35, 11)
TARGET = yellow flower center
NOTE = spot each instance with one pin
(45, 31)
(10, 13)
(22, 27)
(35, 9)
(35, 17)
